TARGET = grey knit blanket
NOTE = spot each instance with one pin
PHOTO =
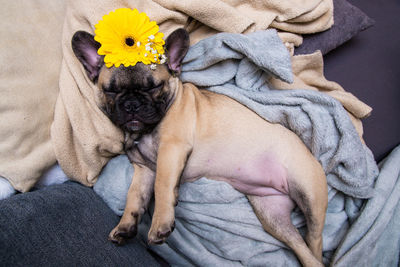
(215, 224)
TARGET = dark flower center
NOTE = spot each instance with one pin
(129, 41)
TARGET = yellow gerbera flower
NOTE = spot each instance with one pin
(127, 37)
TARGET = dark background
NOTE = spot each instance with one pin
(369, 67)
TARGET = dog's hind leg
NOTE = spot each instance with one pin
(311, 196)
(274, 214)
(139, 195)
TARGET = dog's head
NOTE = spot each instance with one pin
(135, 98)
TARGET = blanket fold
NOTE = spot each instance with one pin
(82, 137)
(248, 63)
(215, 224)
(30, 58)
(308, 71)
(373, 239)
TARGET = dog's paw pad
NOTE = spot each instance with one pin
(121, 233)
(116, 239)
(166, 233)
(161, 234)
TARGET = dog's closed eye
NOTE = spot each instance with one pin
(154, 88)
(110, 93)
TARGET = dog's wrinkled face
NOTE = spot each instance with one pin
(135, 98)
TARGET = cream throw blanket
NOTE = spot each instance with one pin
(30, 56)
(83, 137)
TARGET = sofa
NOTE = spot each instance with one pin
(67, 224)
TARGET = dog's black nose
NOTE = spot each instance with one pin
(130, 106)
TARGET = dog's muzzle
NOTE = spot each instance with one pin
(134, 126)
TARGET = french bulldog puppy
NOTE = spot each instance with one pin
(177, 133)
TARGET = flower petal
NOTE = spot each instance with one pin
(113, 30)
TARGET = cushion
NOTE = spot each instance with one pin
(30, 59)
(348, 21)
(65, 225)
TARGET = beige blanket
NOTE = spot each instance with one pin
(83, 137)
(30, 58)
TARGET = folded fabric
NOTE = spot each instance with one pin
(53, 175)
(349, 21)
(215, 224)
(240, 67)
(6, 189)
(374, 238)
(30, 58)
(84, 139)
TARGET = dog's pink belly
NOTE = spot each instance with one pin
(260, 176)
(250, 189)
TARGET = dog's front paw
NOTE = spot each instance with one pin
(160, 231)
(122, 232)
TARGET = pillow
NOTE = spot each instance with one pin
(30, 60)
(348, 22)
(64, 225)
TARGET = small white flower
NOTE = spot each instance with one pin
(153, 51)
(151, 37)
(163, 59)
(138, 44)
(153, 66)
(145, 55)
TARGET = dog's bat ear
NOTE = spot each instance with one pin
(177, 45)
(85, 49)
